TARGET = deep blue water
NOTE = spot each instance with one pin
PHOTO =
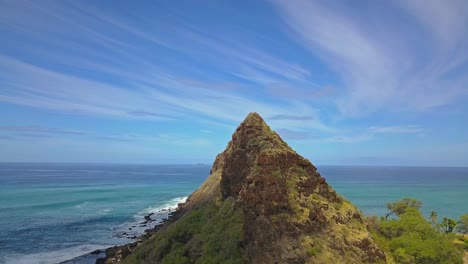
(51, 212)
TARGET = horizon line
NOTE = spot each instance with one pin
(210, 164)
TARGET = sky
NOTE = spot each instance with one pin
(164, 82)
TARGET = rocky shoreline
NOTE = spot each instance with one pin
(116, 253)
(148, 221)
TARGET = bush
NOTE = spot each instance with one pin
(411, 239)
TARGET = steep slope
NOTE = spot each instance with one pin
(262, 203)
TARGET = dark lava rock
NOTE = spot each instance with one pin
(96, 252)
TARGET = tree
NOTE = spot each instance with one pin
(462, 225)
(400, 207)
(448, 224)
(411, 240)
(433, 217)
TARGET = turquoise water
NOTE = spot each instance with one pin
(444, 190)
(52, 212)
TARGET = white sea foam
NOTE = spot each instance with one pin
(137, 227)
(50, 257)
(83, 205)
(105, 211)
(170, 205)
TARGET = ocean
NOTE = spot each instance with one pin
(50, 213)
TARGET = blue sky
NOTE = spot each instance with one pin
(343, 82)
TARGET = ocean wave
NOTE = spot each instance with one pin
(171, 204)
(105, 211)
(137, 227)
(83, 205)
(55, 256)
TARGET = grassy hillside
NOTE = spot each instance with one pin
(211, 233)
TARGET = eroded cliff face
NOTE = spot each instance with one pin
(291, 215)
(281, 209)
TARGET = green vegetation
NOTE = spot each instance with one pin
(448, 224)
(400, 207)
(462, 226)
(211, 234)
(315, 250)
(409, 238)
(433, 216)
(461, 241)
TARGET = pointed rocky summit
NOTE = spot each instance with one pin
(262, 203)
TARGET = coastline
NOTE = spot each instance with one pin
(369, 188)
(116, 253)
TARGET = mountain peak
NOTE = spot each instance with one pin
(287, 205)
(252, 142)
(264, 203)
(253, 134)
(254, 120)
(253, 117)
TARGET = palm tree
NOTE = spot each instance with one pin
(433, 216)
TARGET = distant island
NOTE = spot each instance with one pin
(264, 203)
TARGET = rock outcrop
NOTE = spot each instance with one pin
(262, 203)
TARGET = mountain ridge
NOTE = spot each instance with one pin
(262, 203)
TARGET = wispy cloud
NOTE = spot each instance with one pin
(54, 135)
(395, 129)
(351, 139)
(293, 134)
(386, 71)
(213, 81)
(373, 132)
(79, 58)
(367, 134)
(37, 87)
(291, 117)
(19, 132)
(142, 113)
(41, 130)
(445, 20)
(310, 92)
(115, 138)
(34, 136)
